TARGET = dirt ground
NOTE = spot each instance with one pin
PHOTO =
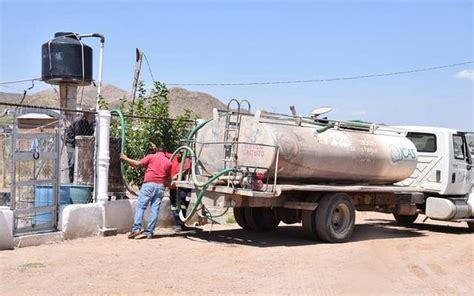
(382, 259)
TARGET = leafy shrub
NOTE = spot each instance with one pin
(151, 123)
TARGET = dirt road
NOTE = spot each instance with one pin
(381, 259)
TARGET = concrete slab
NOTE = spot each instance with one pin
(6, 229)
(38, 239)
(77, 221)
(119, 214)
(108, 231)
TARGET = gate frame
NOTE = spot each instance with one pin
(28, 156)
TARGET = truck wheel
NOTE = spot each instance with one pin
(405, 219)
(470, 225)
(261, 219)
(309, 224)
(240, 218)
(335, 218)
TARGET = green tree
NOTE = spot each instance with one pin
(151, 123)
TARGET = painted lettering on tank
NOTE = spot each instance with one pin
(367, 151)
(336, 139)
(254, 151)
(339, 141)
(402, 153)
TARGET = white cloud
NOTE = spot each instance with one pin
(465, 74)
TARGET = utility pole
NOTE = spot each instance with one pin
(4, 160)
(138, 66)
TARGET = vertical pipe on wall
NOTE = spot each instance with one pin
(103, 156)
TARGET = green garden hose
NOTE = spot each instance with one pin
(193, 165)
(201, 195)
(199, 184)
(122, 148)
(193, 173)
(190, 137)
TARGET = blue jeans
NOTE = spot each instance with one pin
(150, 193)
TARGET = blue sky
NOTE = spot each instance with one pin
(240, 41)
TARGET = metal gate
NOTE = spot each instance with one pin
(35, 170)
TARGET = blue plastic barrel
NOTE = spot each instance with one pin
(79, 194)
(68, 194)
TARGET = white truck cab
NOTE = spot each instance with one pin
(444, 172)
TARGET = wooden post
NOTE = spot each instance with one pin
(138, 66)
(4, 161)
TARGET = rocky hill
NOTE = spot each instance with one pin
(200, 103)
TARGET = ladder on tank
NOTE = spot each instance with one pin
(231, 135)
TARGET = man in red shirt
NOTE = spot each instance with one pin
(157, 177)
(180, 193)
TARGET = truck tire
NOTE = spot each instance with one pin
(261, 219)
(405, 219)
(309, 224)
(335, 218)
(239, 216)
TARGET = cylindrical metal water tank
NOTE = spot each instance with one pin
(349, 156)
(65, 59)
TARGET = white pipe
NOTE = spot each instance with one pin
(101, 63)
(97, 129)
(103, 158)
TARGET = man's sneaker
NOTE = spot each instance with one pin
(149, 236)
(134, 234)
(141, 236)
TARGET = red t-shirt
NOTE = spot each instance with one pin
(176, 164)
(158, 168)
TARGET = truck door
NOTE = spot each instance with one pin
(428, 174)
(460, 181)
(470, 146)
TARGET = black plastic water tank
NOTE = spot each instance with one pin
(65, 59)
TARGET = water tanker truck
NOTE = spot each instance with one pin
(274, 168)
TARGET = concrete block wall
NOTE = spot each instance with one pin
(82, 220)
(6, 228)
(77, 221)
(119, 215)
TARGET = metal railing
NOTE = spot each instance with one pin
(242, 167)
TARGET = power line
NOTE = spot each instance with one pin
(88, 111)
(20, 81)
(327, 79)
(417, 70)
(149, 67)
